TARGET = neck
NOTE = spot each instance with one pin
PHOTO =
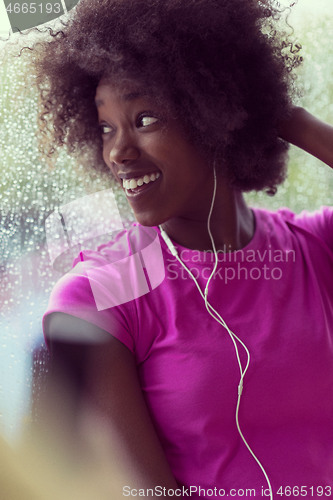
(232, 224)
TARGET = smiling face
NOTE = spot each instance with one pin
(147, 150)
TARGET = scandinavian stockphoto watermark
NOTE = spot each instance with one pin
(24, 15)
(132, 263)
(247, 264)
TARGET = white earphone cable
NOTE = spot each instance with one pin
(220, 320)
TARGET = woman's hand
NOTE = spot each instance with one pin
(309, 133)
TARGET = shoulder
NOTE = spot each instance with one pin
(102, 284)
(316, 224)
(122, 258)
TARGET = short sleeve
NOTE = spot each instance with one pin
(318, 223)
(73, 295)
(104, 285)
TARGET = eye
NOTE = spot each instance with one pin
(105, 129)
(146, 120)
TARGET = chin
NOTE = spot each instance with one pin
(149, 219)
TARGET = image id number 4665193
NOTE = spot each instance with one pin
(305, 491)
(34, 8)
(23, 15)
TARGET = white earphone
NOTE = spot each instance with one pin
(221, 321)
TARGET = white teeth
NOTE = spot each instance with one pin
(146, 179)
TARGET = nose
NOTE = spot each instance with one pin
(123, 149)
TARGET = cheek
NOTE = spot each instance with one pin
(109, 164)
(106, 155)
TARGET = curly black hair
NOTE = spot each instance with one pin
(221, 65)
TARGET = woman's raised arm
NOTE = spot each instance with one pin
(309, 133)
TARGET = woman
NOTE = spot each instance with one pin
(183, 102)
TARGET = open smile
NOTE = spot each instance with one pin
(135, 186)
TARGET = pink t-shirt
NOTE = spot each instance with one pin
(276, 296)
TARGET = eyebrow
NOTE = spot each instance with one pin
(133, 95)
(126, 97)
